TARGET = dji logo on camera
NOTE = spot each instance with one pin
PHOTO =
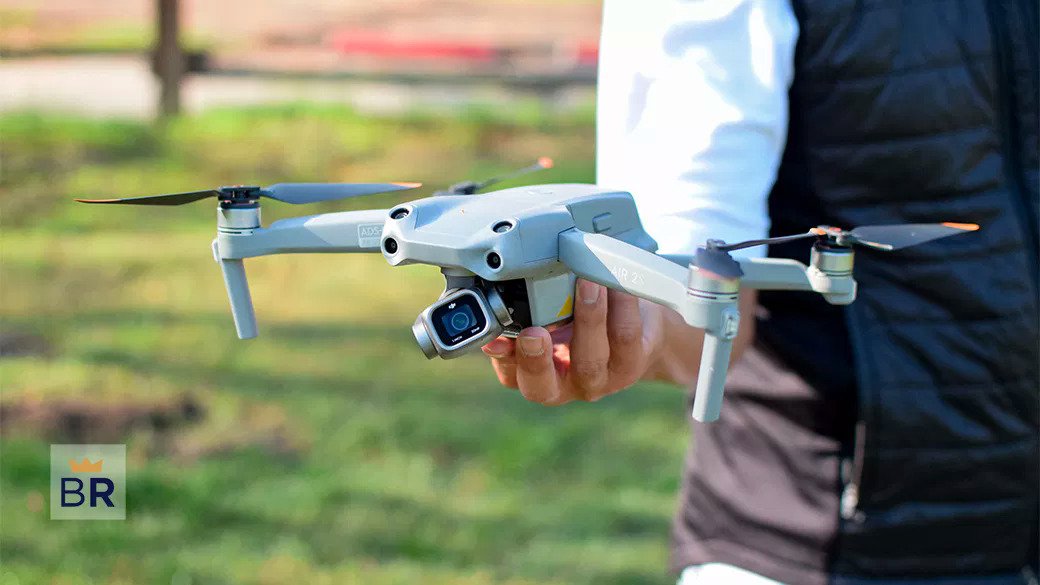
(88, 482)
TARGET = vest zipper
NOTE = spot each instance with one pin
(854, 468)
(1013, 172)
(852, 471)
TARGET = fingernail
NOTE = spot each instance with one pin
(497, 348)
(531, 346)
(589, 292)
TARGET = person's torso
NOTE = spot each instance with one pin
(912, 112)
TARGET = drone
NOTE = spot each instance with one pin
(510, 258)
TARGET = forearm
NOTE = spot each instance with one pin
(677, 356)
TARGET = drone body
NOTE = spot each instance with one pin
(501, 248)
(510, 259)
(505, 243)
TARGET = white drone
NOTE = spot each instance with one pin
(510, 258)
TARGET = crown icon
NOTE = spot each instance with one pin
(85, 466)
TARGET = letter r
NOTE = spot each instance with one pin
(95, 493)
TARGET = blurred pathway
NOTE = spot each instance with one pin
(120, 86)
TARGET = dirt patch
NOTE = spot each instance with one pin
(262, 427)
(81, 421)
(20, 344)
(180, 428)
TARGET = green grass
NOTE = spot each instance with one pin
(330, 450)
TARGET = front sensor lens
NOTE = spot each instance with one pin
(494, 261)
(390, 245)
(399, 213)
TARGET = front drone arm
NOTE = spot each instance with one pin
(239, 236)
(343, 232)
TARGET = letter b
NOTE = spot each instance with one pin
(65, 481)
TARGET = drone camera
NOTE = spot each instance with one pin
(458, 321)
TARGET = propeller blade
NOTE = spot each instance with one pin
(895, 237)
(166, 199)
(752, 243)
(542, 163)
(718, 262)
(298, 193)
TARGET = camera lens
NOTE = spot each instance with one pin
(390, 245)
(458, 317)
(460, 320)
(456, 323)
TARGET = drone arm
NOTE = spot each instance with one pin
(774, 274)
(621, 266)
(351, 231)
(834, 282)
(343, 232)
(238, 295)
(624, 267)
(234, 273)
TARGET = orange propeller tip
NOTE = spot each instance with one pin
(409, 185)
(545, 162)
(968, 227)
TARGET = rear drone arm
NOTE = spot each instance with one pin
(830, 275)
(622, 266)
(763, 273)
(703, 300)
(239, 236)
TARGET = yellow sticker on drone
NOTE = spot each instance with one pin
(567, 307)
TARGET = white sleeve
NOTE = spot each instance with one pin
(692, 113)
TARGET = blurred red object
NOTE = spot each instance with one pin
(588, 53)
(372, 44)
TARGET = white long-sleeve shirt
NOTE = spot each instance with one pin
(692, 113)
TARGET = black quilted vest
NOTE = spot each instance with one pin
(922, 111)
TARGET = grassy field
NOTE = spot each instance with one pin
(328, 450)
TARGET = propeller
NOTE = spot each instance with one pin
(879, 237)
(471, 187)
(296, 193)
(714, 256)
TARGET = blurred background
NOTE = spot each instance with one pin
(328, 450)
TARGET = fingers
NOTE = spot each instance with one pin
(590, 350)
(602, 351)
(535, 374)
(625, 336)
(501, 351)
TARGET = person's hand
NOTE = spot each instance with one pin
(611, 343)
